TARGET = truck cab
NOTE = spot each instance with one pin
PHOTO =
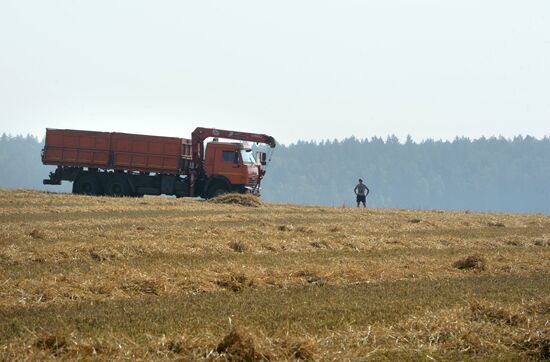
(231, 167)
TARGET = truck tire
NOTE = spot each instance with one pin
(87, 184)
(216, 189)
(117, 185)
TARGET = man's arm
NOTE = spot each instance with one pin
(355, 190)
(368, 191)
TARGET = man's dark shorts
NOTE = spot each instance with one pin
(361, 198)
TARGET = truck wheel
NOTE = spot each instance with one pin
(117, 186)
(216, 189)
(87, 184)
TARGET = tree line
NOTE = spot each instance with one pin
(20, 163)
(485, 174)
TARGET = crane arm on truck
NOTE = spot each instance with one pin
(200, 134)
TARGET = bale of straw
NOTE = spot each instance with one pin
(238, 246)
(484, 311)
(476, 262)
(236, 282)
(238, 199)
(144, 286)
(300, 350)
(54, 344)
(285, 227)
(541, 242)
(239, 345)
(37, 234)
(497, 224)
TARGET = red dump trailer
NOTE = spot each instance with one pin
(123, 164)
(125, 151)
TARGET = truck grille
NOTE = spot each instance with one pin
(252, 181)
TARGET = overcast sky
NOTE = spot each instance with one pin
(293, 69)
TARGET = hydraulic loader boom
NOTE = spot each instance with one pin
(200, 134)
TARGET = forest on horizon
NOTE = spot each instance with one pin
(485, 174)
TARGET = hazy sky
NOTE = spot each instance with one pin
(294, 69)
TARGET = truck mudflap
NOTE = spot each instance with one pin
(49, 181)
(62, 173)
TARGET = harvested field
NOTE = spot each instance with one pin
(162, 278)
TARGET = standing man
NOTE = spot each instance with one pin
(361, 191)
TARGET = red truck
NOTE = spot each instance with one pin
(122, 164)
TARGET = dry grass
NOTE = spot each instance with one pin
(159, 278)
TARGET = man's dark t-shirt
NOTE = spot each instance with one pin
(362, 191)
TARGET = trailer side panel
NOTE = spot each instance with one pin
(150, 153)
(76, 148)
(119, 151)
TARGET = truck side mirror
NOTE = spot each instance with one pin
(262, 157)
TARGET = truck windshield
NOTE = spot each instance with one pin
(247, 156)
